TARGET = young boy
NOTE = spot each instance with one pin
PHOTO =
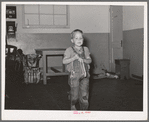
(77, 59)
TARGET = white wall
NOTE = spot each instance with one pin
(133, 36)
(92, 19)
(133, 17)
(89, 18)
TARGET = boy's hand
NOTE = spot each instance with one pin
(80, 59)
(76, 57)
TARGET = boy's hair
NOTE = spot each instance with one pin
(76, 30)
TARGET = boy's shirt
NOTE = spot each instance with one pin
(69, 53)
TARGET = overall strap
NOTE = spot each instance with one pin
(72, 63)
(83, 52)
(83, 49)
(76, 51)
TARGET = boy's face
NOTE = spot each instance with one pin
(77, 39)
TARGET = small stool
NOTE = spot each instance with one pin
(122, 68)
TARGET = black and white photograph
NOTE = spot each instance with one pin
(74, 61)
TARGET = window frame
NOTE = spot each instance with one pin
(46, 26)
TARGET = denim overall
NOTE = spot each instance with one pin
(79, 85)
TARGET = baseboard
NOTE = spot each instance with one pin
(136, 77)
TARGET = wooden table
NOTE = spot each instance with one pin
(51, 52)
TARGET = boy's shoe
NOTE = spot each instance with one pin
(68, 95)
(73, 107)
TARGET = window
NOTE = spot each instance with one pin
(45, 16)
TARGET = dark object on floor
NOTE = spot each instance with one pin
(122, 68)
(32, 73)
(14, 66)
(32, 60)
(110, 74)
(10, 56)
(19, 61)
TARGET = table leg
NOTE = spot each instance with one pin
(44, 70)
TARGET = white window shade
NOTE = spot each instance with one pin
(31, 20)
(46, 19)
(31, 9)
(46, 9)
(47, 16)
(60, 20)
(59, 9)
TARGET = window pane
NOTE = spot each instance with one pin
(31, 8)
(46, 9)
(45, 15)
(46, 19)
(59, 9)
(59, 19)
(31, 20)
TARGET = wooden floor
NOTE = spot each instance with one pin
(105, 95)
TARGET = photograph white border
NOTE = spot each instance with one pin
(69, 115)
